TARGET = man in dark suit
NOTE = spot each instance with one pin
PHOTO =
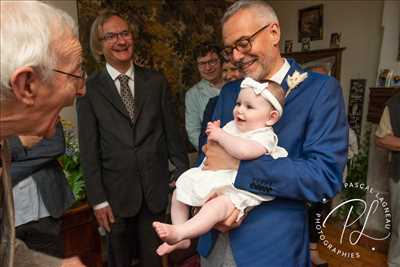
(41, 191)
(127, 133)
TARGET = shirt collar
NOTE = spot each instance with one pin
(114, 73)
(280, 75)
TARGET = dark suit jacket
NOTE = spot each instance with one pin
(125, 162)
(41, 163)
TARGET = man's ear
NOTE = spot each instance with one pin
(275, 34)
(273, 118)
(22, 84)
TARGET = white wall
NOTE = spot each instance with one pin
(69, 6)
(391, 36)
(358, 21)
(378, 167)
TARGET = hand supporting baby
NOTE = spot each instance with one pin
(214, 131)
(213, 150)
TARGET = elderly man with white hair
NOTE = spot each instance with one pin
(40, 74)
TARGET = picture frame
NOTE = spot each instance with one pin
(384, 78)
(311, 23)
(355, 105)
(288, 46)
(305, 44)
(398, 52)
(335, 40)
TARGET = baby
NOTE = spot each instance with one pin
(247, 137)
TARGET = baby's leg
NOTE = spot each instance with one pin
(179, 215)
(212, 212)
(179, 210)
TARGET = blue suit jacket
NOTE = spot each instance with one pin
(314, 131)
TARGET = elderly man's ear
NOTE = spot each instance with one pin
(23, 82)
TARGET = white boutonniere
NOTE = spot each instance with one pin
(294, 80)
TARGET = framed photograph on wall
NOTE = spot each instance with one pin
(311, 23)
(398, 52)
(356, 101)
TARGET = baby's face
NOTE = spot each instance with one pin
(251, 111)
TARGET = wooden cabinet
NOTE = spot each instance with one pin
(315, 55)
(81, 237)
(377, 100)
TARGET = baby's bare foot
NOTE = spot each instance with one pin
(167, 232)
(165, 248)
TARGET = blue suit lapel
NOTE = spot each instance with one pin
(293, 67)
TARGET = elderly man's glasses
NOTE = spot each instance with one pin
(243, 45)
(112, 37)
(82, 76)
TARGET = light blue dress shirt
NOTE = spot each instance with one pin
(29, 205)
(196, 100)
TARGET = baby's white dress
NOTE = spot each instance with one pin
(195, 186)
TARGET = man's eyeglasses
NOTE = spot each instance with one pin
(243, 45)
(112, 37)
(211, 62)
(82, 76)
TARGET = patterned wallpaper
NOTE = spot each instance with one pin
(168, 30)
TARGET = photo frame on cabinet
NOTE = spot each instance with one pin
(311, 23)
(398, 51)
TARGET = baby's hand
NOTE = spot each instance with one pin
(214, 130)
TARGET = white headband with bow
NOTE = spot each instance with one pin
(261, 89)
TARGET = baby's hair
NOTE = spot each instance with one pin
(276, 90)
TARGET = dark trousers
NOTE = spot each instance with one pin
(128, 234)
(43, 236)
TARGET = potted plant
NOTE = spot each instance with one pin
(357, 171)
(79, 221)
(71, 161)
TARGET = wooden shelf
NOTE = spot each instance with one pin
(307, 56)
(378, 96)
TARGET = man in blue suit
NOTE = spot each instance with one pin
(313, 129)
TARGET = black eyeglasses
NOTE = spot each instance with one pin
(112, 37)
(243, 45)
(82, 76)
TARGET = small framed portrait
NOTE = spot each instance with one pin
(385, 78)
(305, 44)
(288, 46)
(335, 40)
(311, 23)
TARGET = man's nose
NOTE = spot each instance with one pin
(237, 55)
(120, 39)
(208, 66)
